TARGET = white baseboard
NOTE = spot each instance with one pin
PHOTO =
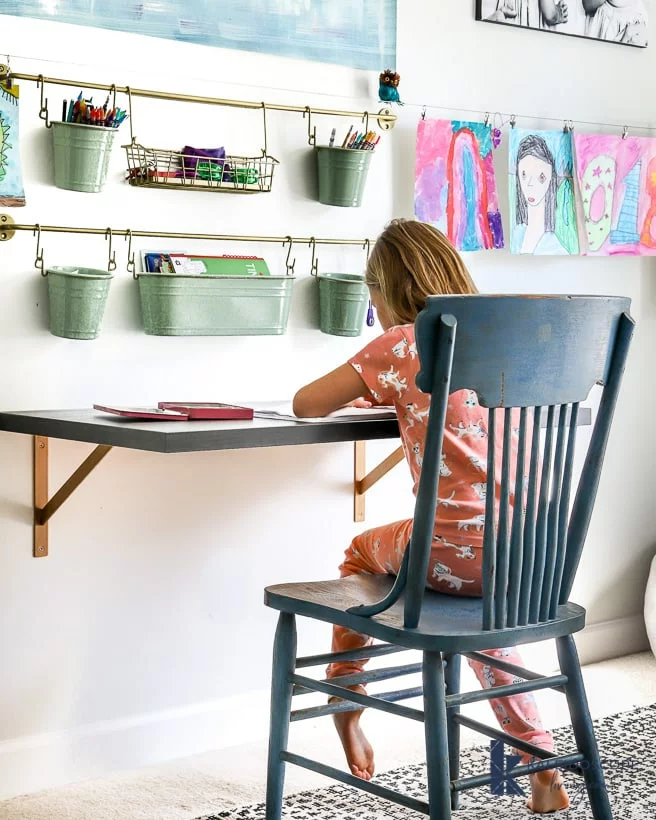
(54, 759)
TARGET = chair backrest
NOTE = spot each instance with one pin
(541, 354)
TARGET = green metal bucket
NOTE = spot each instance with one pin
(342, 175)
(206, 305)
(342, 303)
(77, 298)
(82, 155)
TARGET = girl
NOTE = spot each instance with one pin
(410, 261)
(622, 21)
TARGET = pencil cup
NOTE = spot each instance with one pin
(342, 303)
(77, 298)
(342, 175)
(81, 155)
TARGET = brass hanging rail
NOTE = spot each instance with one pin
(8, 227)
(384, 117)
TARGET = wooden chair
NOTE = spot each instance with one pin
(540, 354)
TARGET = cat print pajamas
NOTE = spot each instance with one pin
(388, 366)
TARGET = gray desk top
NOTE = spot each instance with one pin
(190, 436)
(194, 436)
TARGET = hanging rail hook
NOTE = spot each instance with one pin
(131, 266)
(38, 262)
(312, 132)
(314, 267)
(111, 262)
(264, 151)
(112, 91)
(365, 120)
(289, 267)
(129, 93)
(43, 110)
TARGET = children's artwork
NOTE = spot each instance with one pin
(616, 180)
(11, 181)
(541, 189)
(356, 33)
(455, 188)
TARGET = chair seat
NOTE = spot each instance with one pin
(448, 623)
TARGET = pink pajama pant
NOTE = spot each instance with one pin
(454, 571)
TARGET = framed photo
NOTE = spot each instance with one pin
(625, 22)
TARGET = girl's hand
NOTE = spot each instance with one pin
(359, 402)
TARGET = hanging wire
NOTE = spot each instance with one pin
(476, 112)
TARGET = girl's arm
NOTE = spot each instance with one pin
(591, 6)
(329, 393)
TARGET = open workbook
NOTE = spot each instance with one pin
(283, 410)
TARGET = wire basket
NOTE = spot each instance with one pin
(157, 168)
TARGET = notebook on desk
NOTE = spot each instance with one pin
(283, 411)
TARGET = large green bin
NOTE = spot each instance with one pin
(342, 303)
(205, 305)
(342, 175)
(76, 301)
(82, 155)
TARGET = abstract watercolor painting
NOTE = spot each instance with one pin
(11, 182)
(616, 179)
(455, 187)
(617, 21)
(541, 189)
(356, 33)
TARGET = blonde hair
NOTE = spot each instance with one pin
(410, 261)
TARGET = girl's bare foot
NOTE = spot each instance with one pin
(358, 751)
(548, 792)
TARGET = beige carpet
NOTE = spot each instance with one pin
(185, 789)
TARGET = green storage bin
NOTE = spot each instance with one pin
(343, 301)
(76, 301)
(81, 155)
(205, 305)
(342, 175)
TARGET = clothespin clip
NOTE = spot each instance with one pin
(423, 112)
(625, 132)
(487, 119)
(568, 126)
(513, 120)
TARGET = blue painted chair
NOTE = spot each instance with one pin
(542, 355)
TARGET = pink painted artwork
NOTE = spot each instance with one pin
(455, 186)
(616, 193)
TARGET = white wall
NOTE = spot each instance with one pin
(143, 636)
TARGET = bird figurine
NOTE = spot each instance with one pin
(388, 86)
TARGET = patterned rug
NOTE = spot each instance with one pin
(626, 743)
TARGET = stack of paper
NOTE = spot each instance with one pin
(283, 410)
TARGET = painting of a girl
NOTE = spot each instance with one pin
(541, 193)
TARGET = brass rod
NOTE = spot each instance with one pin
(181, 235)
(166, 95)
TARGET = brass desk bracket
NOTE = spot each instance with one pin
(45, 508)
(363, 481)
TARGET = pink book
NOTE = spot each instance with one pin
(208, 410)
(153, 413)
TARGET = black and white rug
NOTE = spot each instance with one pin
(627, 742)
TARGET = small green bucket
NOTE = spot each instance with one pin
(342, 303)
(342, 175)
(77, 298)
(82, 155)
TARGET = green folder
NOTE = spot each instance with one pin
(219, 265)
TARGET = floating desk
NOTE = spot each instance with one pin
(106, 432)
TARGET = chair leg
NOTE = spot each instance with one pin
(452, 676)
(284, 662)
(435, 728)
(582, 726)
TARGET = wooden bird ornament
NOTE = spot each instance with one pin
(388, 86)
